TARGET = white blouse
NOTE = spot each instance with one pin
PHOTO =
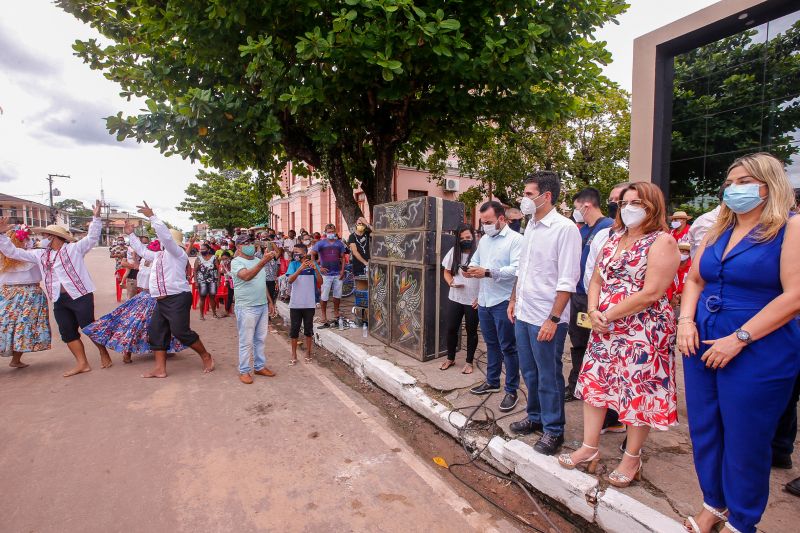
(24, 274)
(168, 270)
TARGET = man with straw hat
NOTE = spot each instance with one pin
(680, 226)
(168, 285)
(66, 282)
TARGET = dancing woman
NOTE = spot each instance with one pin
(24, 317)
(124, 329)
(206, 275)
(168, 285)
(66, 282)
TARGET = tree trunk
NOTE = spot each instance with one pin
(342, 189)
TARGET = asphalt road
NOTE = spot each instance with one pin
(108, 451)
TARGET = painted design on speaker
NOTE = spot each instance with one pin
(379, 293)
(408, 304)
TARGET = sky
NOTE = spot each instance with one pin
(53, 108)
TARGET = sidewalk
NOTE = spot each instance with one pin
(668, 492)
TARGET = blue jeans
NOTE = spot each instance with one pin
(542, 371)
(252, 324)
(501, 346)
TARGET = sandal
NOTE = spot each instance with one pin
(292, 362)
(308, 360)
(447, 364)
(467, 369)
(566, 461)
(620, 480)
(691, 524)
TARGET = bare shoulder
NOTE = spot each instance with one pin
(665, 243)
(794, 223)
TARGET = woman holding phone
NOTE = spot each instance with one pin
(463, 298)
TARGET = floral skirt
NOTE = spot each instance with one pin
(125, 328)
(24, 319)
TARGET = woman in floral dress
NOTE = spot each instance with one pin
(629, 365)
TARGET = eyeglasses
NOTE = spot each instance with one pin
(635, 203)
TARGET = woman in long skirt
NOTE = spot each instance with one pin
(124, 329)
(24, 316)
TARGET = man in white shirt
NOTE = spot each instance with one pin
(169, 286)
(703, 223)
(495, 263)
(66, 282)
(549, 269)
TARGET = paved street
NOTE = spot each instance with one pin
(109, 451)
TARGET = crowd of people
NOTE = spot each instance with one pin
(632, 289)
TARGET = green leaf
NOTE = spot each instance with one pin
(450, 24)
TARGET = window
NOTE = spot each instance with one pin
(310, 216)
(416, 194)
(292, 220)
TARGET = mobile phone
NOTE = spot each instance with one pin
(584, 321)
(463, 268)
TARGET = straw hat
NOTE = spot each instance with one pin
(177, 236)
(57, 231)
(680, 215)
(684, 246)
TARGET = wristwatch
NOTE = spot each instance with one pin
(743, 336)
(555, 319)
(487, 273)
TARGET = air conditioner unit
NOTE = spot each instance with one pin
(451, 185)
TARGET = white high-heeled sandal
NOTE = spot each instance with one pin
(565, 460)
(620, 480)
(716, 512)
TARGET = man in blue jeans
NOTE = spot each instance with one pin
(495, 263)
(549, 269)
(253, 307)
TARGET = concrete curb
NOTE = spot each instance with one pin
(611, 510)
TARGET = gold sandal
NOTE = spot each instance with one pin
(565, 460)
(620, 480)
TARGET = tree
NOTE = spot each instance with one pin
(79, 214)
(227, 200)
(590, 147)
(347, 87)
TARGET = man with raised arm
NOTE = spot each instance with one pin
(66, 282)
(169, 286)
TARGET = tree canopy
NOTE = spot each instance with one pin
(79, 214)
(346, 87)
(228, 200)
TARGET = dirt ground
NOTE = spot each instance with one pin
(108, 451)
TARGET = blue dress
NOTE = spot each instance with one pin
(733, 412)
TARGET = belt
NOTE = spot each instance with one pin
(715, 304)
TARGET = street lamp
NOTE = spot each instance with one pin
(54, 192)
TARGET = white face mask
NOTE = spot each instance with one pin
(675, 224)
(528, 205)
(633, 215)
(684, 257)
(490, 230)
(577, 215)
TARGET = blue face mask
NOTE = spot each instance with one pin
(249, 250)
(742, 198)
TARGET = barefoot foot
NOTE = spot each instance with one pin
(106, 363)
(77, 370)
(18, 364)
(127, 359)
(208, 363)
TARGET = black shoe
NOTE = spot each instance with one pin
(485, 388)
(525, 427)
(549, 444)
(793, 487)
(782, 461)
(509, 403)
(569, 396)
(324, 325)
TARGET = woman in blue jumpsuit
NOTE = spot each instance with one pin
(740, 339)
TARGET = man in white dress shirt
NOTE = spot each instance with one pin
(549, 269)
(169, 286)
(66, 282)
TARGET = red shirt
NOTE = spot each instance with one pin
(679, 281)
(680, 234)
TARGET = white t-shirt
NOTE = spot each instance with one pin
(469, 292)
(288, 246)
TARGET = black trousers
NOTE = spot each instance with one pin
(454, 312)
(72, 315)
(304, 317)
(229, 300)
(578, 338)
(171, 319)
(272, 289)
(783, 443)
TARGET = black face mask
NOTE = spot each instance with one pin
(466, 245)
(612, 209)
(516, 225)
(205, 252)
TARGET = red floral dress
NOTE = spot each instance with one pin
(631, 369)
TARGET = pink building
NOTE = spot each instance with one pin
(307, 203)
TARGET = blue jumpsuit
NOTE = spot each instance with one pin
(733, 412)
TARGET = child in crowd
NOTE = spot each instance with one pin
(303, 275)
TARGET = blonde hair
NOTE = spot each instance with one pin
(770, 171)
(6, 262)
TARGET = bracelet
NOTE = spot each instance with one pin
(685, 320)
(590, 311)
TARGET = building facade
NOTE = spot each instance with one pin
(308, 203)
(34, 214)
(712, 86)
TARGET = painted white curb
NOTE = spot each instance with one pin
(578, 491)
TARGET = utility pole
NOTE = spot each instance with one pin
(50, 181)
(107, 206)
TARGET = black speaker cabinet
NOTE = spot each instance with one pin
(407, 290)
